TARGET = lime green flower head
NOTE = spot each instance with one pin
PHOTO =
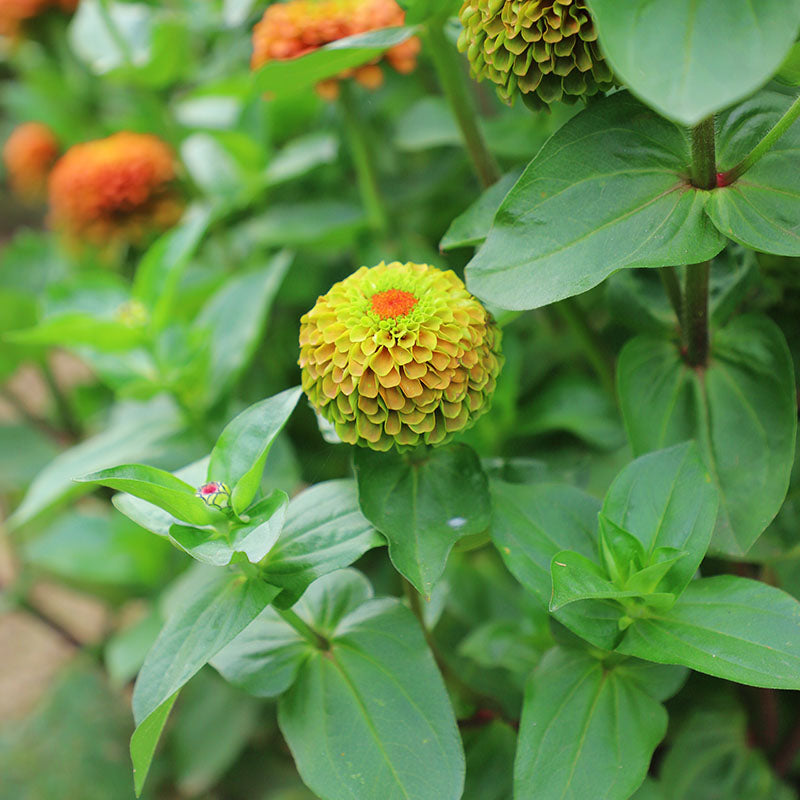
(399, 354)
(545, 49)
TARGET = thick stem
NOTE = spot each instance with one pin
(362, 154)
(303, 628)
(695, 313)
(573, 315)
(672, 286)
(704, 159)
(454, 84)
(763, 147)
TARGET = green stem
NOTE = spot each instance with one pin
(66, 416)
(573, 315)
(454, 83)
(695, 313)
(303, 628)
(361, 151)
(763, 147)
(704, 159)
(672, 286)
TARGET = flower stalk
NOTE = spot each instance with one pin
(704, 159)
(456, 89)
(695, 315)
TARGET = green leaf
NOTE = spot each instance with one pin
(371, 717)
(711, 757)
(587, 730)
(192, 636)
(300, 156)
(296, 74)
(241, 451)
(156, 486)
(576, 577)
(636, 209)
(490, 761)
(76, 329)
(741, 410)
(726, 626)
(423, 503)
(324, 531)
(530, 525)
(690, 58)
(135, 432)
(265, 657)
(472, 226)
(761, 209)
(233, 321)
(789, 72)
(666, 500)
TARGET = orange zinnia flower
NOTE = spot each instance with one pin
(28, 155)
(114, 189)
(295, 28)
(14, 13)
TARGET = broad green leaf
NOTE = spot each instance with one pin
(254, 538)
(300, 156)
(324, 531)
(587, 730)
(76, 329)
(423, 504)
(370, 717)
(530, 525)
(741, 410)
(730, 627)
(666, 499)
(234, 319)
(690, 58)
(471, 227)
(265, 657)
(296, 74)
(156, 486)
(576, 577)
(239, 455)
(135, 432)
(636, 209)
(192, 636)
(789, 71)
(711, 756)
(762, 208)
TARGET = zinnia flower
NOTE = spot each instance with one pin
(29, 154)
(297, 27)
(545, 49)
(399, 354)
(14, 13)
(114, 189)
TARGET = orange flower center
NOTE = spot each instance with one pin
(393, 303)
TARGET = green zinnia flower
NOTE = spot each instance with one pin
(399, 354)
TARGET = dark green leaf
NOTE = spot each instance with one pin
(423, 504)
(636, 209)
(240, 452)
(371, 717)
(741, 411)
(192, 636)
(690, 58)
(726, 626)
(762, 208)
(586, 731)
(666, 499)
(324, 531)
(158, 487)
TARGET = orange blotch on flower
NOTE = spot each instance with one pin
(28, 155)
(15, 13)
(117, 189)
(392, 303)
(298, 27)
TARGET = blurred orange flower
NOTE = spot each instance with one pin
(14, 13)
(28, 155)
(114, 189)
(297, 27)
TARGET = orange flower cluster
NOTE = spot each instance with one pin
(14, 13)
(295, 28)
(115, 189)
(28, 155)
